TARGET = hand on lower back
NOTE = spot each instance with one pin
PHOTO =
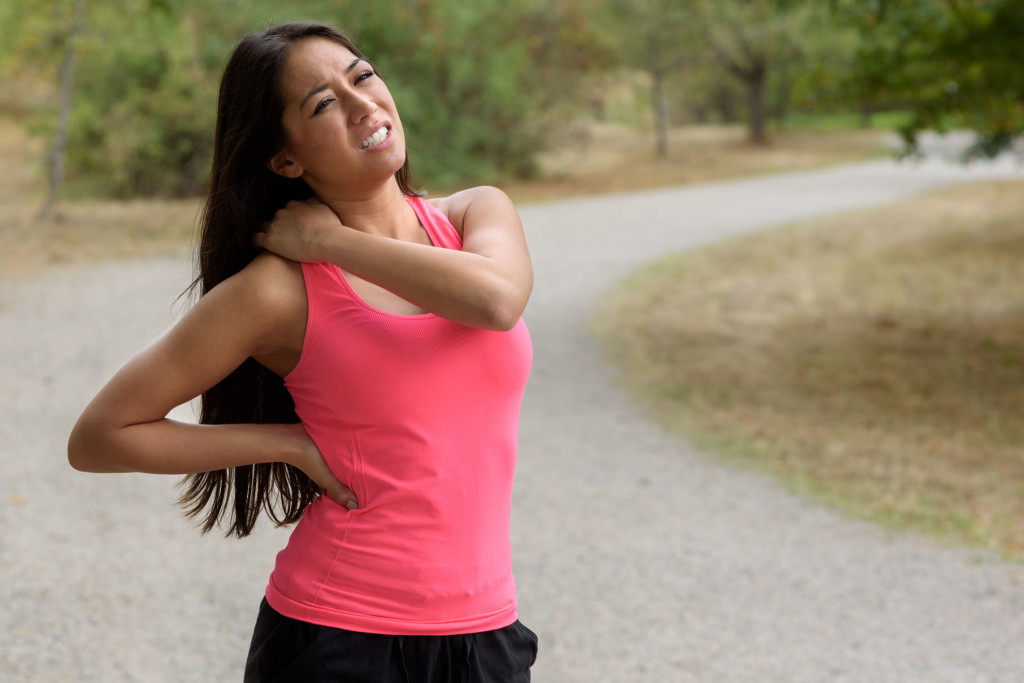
(312, 462)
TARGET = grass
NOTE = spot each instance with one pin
(92, 231)
(873, 360)
(848, 121)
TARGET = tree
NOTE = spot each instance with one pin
(39, 40)
(58, 151)
(749, 38)
(953, 63)
(657, 37)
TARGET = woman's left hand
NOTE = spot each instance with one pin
(299, 231)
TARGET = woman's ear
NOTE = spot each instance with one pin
(283, 165)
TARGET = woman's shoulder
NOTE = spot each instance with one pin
(270, 283)
(455, 205)
(268, 270)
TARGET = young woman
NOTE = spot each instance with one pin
(362, 360)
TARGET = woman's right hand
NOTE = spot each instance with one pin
(299, 230)
(310, 460)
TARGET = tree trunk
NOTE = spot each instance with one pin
(755, 90)
(781, 107)
(867, 111)
(58, 152)
(658, 101)
(660, 114)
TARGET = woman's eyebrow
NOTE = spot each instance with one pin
(323, 86)
(319, 88)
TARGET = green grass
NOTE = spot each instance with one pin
(840, 121)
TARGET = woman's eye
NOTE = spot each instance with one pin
(365, 75)
(322, 104)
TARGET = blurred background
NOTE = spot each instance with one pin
(104, 102)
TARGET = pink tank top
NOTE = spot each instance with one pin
(419, 416)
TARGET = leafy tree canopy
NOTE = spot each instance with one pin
(954, 63)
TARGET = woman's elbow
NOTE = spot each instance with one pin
(78, 448)
(85, 446)
(503, 312)
(502, 320)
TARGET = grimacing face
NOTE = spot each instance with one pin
(343, 133)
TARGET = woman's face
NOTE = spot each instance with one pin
(343, 133)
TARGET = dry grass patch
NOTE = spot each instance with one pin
(602, 158)
(875, 359)
(90, 231)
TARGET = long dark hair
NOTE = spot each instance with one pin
(243, 193)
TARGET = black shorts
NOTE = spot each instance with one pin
(285, 650)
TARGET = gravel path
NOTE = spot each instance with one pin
(638, 558)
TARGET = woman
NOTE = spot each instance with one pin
(390, 326)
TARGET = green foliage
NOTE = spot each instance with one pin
(659, 34)
(143, 121)
(477, 84)
(842, 120)
(821, 78)
(32, 33)
(952, 63)
(29, 31)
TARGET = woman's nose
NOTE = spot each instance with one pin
(361, 107)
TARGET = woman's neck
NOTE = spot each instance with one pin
(384, 212)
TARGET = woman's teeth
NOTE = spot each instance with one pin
(376, 138)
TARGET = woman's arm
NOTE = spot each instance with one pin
(124, 428)
(486, 285)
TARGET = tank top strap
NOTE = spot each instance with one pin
(440, 230)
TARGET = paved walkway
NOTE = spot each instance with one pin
(638, 558)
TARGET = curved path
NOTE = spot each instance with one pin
(638, 558)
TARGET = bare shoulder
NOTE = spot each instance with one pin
(269, 292)
(269, 264)
(270, 281)
(483, 200)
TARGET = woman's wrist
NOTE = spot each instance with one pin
(294, 444)
(333, 242)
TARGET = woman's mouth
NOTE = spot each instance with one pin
(376, 138)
